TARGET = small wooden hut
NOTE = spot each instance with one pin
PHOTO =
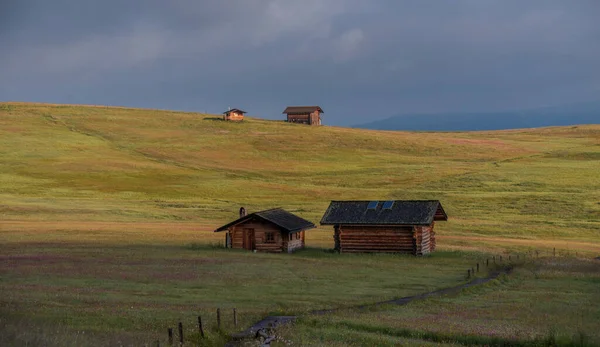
(234, 114)
(274, 230)
(310, 115)
(395, 226)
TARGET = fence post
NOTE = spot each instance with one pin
(234, 317)
(170, 336)
(509, 257)
(157, 343)
(500, 258)
(554, 252)
(200, 326)
(468, 273)
(219, 318)
(477, 267)
(487, 262)
(180, 334)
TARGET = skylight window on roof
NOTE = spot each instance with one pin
(372, 205)
(388, 205)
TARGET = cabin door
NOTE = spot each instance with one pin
(249, 239)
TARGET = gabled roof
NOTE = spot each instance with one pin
(302, 109)
(234, 110)
(401, 212)
(283, 219)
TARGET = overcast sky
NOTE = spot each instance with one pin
(359, 60)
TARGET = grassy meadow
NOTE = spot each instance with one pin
(546, 302)
(106, 218)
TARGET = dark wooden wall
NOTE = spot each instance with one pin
(259, 229)
(415, 240)
(313, 118)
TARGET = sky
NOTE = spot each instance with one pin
(359, 60)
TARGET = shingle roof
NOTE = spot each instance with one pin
(285, 220)
(302, 109)
(402, 212)
(234, 110)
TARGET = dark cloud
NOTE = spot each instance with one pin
(356, 59)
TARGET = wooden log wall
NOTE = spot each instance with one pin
(375, 239)
(417, 240)
(294, 241)
(432, 237)
(298, 118)
(260, 241)
(234, 116)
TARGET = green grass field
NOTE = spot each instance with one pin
(107, 215)
(545, 302)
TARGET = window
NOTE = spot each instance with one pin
(270, 237)
(372, 205)
(388, 205)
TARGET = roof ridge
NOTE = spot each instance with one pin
(384, 200)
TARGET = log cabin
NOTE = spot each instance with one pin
(275, 230)
(310, 115)
(234, 114)
(393, 226)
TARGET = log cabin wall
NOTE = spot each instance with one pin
(368, 238)
(305, 118)
(293, 241)
(234, 116)
(416, 240)
(315, 119)
(299, 118)
(261, 241)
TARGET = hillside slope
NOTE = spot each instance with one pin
(79, 165)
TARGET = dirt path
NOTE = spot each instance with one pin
(264, 327)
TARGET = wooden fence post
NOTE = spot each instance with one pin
(157, 343)
(509, 257)
(473, 271)
(477, 267)
(234, 317)
(200, 327)
(468, 273)
(554, 252)
(500, 258)
(170, 336)
(487, 262)
(180, 334)
(219, 318)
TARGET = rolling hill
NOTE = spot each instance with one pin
(575, 114)
(107, 217)
(81, 168)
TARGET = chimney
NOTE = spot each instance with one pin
(242, 212)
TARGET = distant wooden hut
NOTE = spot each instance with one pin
(234, 114)
(274, 230)
(395, 226)
(310, 115)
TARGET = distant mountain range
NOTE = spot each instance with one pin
(581, 113)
